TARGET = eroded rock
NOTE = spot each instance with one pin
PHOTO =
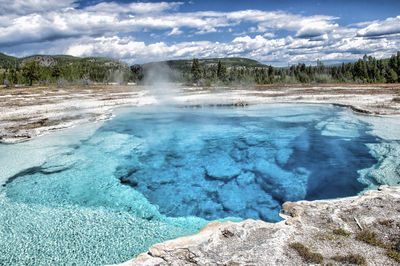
(326, 227)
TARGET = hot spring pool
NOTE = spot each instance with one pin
(104, 193)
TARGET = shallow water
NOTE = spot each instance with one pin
(156, 173)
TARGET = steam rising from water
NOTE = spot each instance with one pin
(118, 77)
(157, 79)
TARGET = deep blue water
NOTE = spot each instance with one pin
(218, 163)
(171, 170)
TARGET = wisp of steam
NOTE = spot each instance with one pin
(157, 79)
(118, 77)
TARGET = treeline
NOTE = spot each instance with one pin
(365, 70)
(206, 72)
(70, 71)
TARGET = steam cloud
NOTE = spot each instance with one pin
(157, 78)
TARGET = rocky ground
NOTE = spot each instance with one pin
(32, 111)
(358, 230)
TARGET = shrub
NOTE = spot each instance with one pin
(350, 259)
(370, 238)
(340, 232)
(394, 254)
(306, 254)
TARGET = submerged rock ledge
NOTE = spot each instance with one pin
(363, 228)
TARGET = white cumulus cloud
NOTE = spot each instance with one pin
(25, 7)
(108, 29)
(138, 8)
(380, 28)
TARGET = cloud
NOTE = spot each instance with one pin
(37, 28)
(137, 8)
(102, 19)
(133, 51)
(304, 26)
(277, 51)
(107, 29)
(45, 22)
(315, 29)
(175, 31)
(380, 28)
(269, 35)
(25, 7)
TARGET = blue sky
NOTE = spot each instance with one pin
(279, 32)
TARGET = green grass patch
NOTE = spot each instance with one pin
(350, 259)
(306, 254)
(340, 232)
(370, 238)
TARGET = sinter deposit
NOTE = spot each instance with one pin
(331, 231)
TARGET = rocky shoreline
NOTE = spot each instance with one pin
(357, 230)
(30, 112)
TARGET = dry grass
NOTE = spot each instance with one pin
(394, 254)
(306, 254)
(370, 238)
(350, 259)
(340, 232)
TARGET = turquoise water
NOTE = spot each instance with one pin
(104, 193)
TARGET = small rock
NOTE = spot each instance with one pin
(227, 233)
(292, 209)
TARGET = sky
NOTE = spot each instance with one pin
(279, 32)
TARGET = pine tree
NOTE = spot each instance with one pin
(222, 72)
(392, 76)
(13, 76)
(196, 71)
(31, 71)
